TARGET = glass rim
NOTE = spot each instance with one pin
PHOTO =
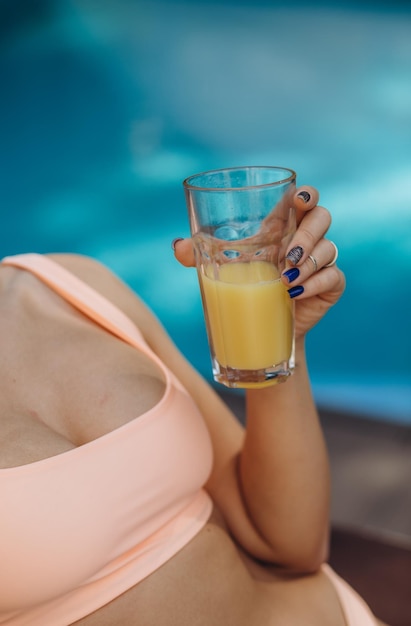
(188, 185)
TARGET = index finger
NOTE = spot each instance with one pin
(305, 198)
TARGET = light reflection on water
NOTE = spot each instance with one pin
(110, 105)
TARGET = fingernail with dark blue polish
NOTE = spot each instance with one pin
(296, 291)
(305, 196)
(295, 254)
(292, 274)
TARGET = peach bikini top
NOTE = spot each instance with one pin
(80, 528)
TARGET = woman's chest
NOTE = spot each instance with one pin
(61, 389)
(94, 509)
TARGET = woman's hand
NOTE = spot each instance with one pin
(312, 276)
(315, 287)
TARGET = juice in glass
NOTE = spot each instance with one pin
(249, 316)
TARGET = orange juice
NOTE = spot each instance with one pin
(249, 314)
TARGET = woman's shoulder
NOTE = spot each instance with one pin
(91, 271)
(105, 281)
(79, 264)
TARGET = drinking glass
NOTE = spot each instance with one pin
(241, 222)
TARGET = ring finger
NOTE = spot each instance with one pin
(311, 230)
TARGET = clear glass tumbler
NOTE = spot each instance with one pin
(241, 221)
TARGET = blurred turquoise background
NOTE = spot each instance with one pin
(107, 105)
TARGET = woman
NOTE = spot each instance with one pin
(130, 493)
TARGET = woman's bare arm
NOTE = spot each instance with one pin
(270, 481)
(283, 464)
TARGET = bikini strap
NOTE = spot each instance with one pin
(83, 297)
(90, 302)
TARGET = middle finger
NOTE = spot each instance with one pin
(311, 230)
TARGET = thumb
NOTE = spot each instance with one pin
(184, 251)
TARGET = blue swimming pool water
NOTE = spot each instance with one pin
(106, 106)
